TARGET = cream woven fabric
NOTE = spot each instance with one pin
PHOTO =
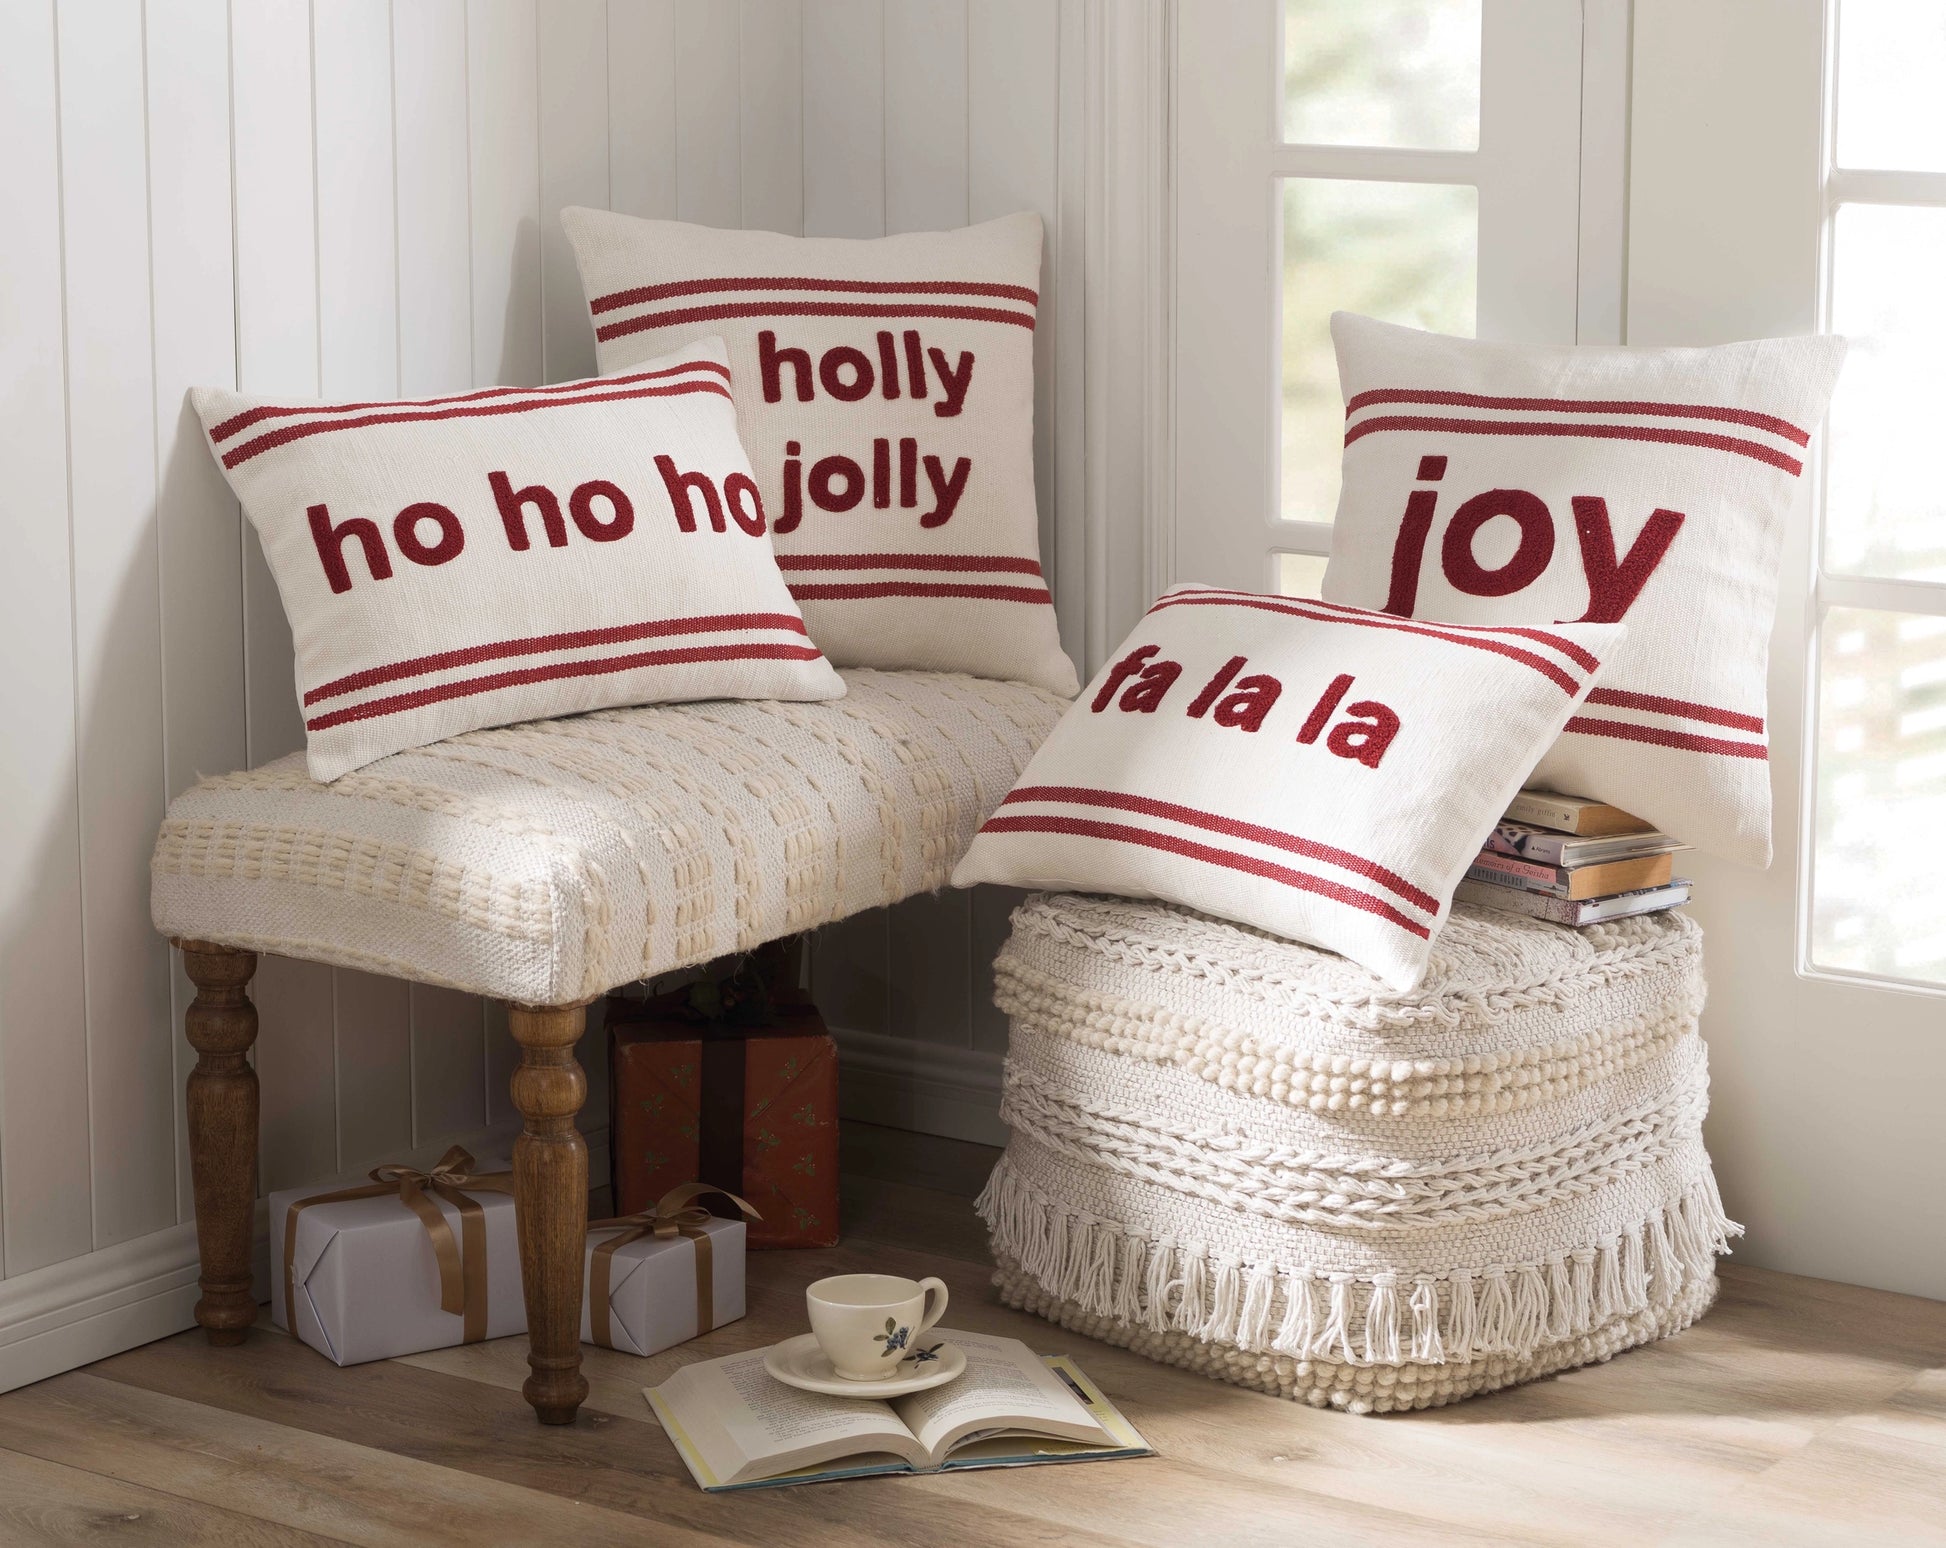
(549, 861)
(885, 390)
(1245, 1156)
(1526, 484)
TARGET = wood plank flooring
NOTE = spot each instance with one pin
(1798, 1412)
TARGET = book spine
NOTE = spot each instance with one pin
(1515, 901)
(1528, 807)
(1542, 848)
(1515, 883)
(1510, 866)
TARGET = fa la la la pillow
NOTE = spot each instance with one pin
(516, 553)
(1321, 772)
(885, 389)
(1522, 484)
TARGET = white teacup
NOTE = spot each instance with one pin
(867, 1323)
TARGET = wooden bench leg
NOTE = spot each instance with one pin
(221, 1024)
(551, 1203)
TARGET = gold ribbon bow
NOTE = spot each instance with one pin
(462, 1263)
(676, 1213)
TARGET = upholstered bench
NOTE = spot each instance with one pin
(1247, 1157)
(543, 864)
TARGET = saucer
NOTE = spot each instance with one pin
(798, 1362)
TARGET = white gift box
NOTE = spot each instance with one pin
(653, 1289)
(365, 1277)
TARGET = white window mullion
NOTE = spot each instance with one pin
(1375, 164)
(1885, 596)
(1445, 193)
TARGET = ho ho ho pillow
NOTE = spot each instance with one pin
(885, 389)
(514, 554)
(1321, 772)
(1522, 484)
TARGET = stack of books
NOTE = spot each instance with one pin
(1574, 861)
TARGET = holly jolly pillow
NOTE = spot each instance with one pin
(885, 392)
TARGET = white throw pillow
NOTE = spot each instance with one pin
(886, 393)
(514, 554)
(1520, 484)
(1321, 772)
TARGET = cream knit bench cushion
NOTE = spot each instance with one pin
(1248, 1157)
(546, 862)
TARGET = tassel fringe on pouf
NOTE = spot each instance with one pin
(1248, 1158)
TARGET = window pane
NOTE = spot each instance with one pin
(1300, 575)
(1885, 507)
(1879, 900)
(1382, 72)
(1404, 252)
(1891, 58)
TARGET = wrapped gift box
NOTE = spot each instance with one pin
(750, 1109)
(655, 1289)
(365, 1276)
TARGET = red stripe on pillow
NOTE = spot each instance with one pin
(275, 438)
(1598, 432)
(697, 287)
(1682, 741)
(1580, 657)
(373, 708)
(991, 562)
(1656, 704)
(1731, 416)
(1191, 816)
(1547, 669)
(539, 644)
(1082, 827)
(730, 309)
(856, 591)
(249, 417)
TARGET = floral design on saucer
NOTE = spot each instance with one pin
(921, 1356)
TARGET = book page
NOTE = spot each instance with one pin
(743, 1423)
(1006, 1386)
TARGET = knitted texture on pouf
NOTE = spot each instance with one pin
(1246, 1156)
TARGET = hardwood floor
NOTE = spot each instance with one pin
(1798, 1412)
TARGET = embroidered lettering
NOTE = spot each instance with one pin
(1366, 735)
(1530, 556)
(405, 532)
(1245, 709)
(952, 382)
(1613, 586)
(621, 513)
(330, 543)
(512, 505)
(946, 489)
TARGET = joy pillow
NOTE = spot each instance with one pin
(886, 394)
(1320, 772)
(1516, 484)
(514, 554)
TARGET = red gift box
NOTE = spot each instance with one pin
(750, 1108)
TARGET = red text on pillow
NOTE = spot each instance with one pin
(1243, 703)
(600, 510)
(1613, 582)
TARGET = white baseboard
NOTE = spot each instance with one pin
(87, 1308)
(904, 1083)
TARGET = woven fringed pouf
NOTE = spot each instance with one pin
(1247, 1157)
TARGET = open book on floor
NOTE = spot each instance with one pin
(738, 1427)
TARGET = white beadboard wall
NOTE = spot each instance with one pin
(357, 198)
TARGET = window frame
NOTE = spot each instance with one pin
(1535, 215)
(1827, 589)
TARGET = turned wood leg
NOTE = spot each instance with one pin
(551, 1203)
(222, 1024)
